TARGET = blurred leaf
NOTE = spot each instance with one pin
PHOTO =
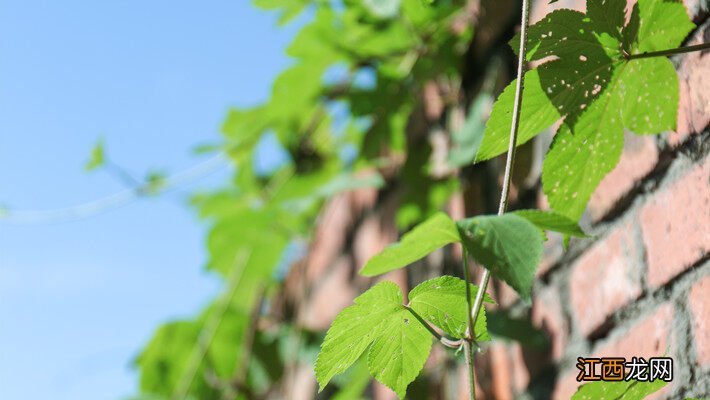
(467, 140)
(290, 9)
(428, 236)
(97, 157)
(357, 381)
(343, 182)
(383, 8)
(501, 325)
(155, 182)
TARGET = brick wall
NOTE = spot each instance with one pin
(640, 286)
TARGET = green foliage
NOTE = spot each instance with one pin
(503, 326)
(377, 318)
(591, 83)
(585, 79)
(430, 235)
(467, 140)
(622, 390)
(551, 221)
(399, 343)
(97, 157)
(442, 301)
(508, 245)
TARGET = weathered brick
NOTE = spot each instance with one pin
(329, 295)
(676, 225)
(649, 337)
(605, 278)
(699, 303)
(552, 252)
(329, 237)
(521, 375)
(638, 159)
(547, 315)
(566, 385)
(369, 240)
(652, 336)
(502, 378)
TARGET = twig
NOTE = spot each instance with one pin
(242, 367)
(668, 52)
(207, 334)
(469, 335)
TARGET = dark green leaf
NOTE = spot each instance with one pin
(507, 245)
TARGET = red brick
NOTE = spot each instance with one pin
(694, 101)
(329, 238)
(699, 302)
(604, 279)
(382, 392)
(501, 368)
(547, 315)
(566, 385)
(693, 8)
(676, 225)
(552, 252)
(638, 159)
(542, 8)
(433, 103)
(329, 295)
(651, 337)
(521, 375)
(369, 240)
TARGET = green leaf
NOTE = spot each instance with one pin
(426, 237)
(383, 8)
(400, 351)
(442, 301)
(289, 8)
(622, 390)
(586, 79)
(356, 383)
(551, 221)
(467, 140)
(97, 158)
(343, 182)
(355, 328)
(399, 344)
(536, 114)
(507, 245)
(521, 330)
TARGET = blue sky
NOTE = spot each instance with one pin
(79, 299)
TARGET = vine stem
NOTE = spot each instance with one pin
(470, 332)
(668, 52)
(209, 330)
(483, 284)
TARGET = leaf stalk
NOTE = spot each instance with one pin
(668, 52)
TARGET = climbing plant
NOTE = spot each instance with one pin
(348, 115)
